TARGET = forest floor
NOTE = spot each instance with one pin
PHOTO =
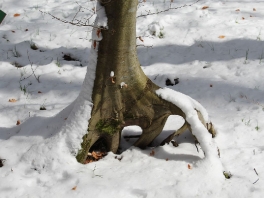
(215, 50)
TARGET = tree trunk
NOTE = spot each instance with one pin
(128, 97)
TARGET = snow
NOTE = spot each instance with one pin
(217, 54)
(123, 84)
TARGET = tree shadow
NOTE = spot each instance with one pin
(202, 51)
(208, 51)
(45, 127)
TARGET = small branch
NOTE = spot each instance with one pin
(33, 71)
(78, 23)
(91, 10)
(196, 146)
(76, 13)
(256, 181)
(170, 8)
(255, 171)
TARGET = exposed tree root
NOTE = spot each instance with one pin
(122, 94)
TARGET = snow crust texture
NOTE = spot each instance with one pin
(216, 52)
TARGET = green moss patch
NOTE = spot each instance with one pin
(109, 126)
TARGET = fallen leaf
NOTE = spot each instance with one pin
(12, 100)
(87, 161)
(189, 166)
(251, 16)
(243, 18)
(211, 85)
(167, 159)
(152, 153)
(74, 188)
(254, 9)
(18, 122)
(94, 44)
(221, 36)
(205, 7)
(237, 10)
(16, 15)
(26, 30)
(113, 79)
(39, 92)
(98, 155)
(140, 38)
(98, 32)
(13, 31)
(65, 118)
(95, 155)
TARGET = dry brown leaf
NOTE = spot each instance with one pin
(237, 10)
(87, 161)
(113, 79)
(16, 15)
(65, 118)
(205, 7)
(167, 159)
(243, 18)
(94, 44)
(251, 16)
(189, 166)
(39, 92)
(254, 9)
(12, 100)
(221, 36)
(98, 32)
(94, 154)
(140, 38)
(211, 85)
(152, 153)
(97, 155)
(13, 31)
(74, 188)
(18, 122)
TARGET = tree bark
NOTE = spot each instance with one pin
(134, 103)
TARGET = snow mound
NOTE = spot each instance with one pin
(67, 139)
(188, 106)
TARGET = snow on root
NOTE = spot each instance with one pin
(188, 106)
(63, 147)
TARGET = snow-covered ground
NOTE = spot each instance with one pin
(218, 55)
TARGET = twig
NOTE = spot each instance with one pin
(78, 23)
(170, 8)
(76, 13)
(256, 181)
(255, 171)
(196, 147)
(33, 71)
